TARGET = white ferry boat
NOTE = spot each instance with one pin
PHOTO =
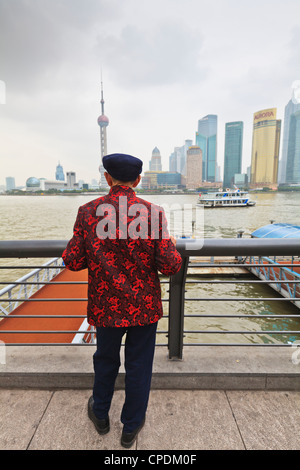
(229, 198)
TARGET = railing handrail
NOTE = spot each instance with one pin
(186, 247)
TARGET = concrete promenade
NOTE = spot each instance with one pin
(231, 398)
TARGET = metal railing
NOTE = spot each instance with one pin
(249, 254)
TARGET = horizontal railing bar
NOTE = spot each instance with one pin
(41, 283)
(64, 344)
(200, 299)
(271, 345)
(196, 265)
(25, 332)
(45, 283)
(241, 281)
(34, 267)
(279, 345)
(21, 332)
(237, 315)
(243, 299)
(187, 247)
(217, 281)
(270, 332)
(43, 300)
(12, 316)
(52, 300)
(238, 247)
(207, 315)
(244, 265)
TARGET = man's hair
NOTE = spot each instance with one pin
(119, 181)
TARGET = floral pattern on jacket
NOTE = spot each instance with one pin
(123, 283)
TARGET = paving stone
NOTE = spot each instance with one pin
(66, 425)
(21, 412)
(189, 420)
(267, 420)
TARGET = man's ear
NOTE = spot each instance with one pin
(108, 179)
(136, 181)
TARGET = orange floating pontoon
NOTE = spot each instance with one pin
(50, 307)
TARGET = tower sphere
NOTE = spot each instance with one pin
(103, 120)
(33, 182)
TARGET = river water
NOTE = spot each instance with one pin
(52, 217)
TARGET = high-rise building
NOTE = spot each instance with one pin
(10, 183)
(265, 148)
(290, 109)
(293, 153)
(155, 162)
(172, 162)
(233, 152)
(103, 122)
(194, 167)
(59, 174)
(177, 159)
(71, 180)
(206, 139)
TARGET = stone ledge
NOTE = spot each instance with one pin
(207, 367)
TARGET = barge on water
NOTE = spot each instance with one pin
(283, 273)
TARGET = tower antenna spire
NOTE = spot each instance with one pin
(102, 99)
(103, 122)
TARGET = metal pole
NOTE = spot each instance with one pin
(176, 311)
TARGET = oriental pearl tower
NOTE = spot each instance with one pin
(103, 122)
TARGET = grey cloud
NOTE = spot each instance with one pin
(39, 37)
(167, 52)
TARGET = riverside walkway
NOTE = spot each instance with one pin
(214, 399)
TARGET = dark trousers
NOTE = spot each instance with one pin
(139, 352)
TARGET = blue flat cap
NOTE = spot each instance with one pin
(122, 167)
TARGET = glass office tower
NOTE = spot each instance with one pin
(233, 152)
(293, 153)
(59, 173)
(290, 109)
(206, 139)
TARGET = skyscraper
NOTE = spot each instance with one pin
(293, 153)
(155, 162)
(103, 122)
(233, 151)
(59, 173)
(71, 180)
(206, 139)
(290, 109)
(265, 148)
(177, 159)
(10, 183)
(194, 167)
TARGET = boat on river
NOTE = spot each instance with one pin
(229, 198)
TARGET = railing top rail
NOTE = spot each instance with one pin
(187, 247)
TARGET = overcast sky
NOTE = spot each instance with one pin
(165, 64)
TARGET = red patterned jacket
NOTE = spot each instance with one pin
(118, 238)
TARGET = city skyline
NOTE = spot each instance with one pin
(182, 151)
(165, 65)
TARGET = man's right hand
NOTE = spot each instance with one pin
(173, 240)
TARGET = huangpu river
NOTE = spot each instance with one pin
(52, 217)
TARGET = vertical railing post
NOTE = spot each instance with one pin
(176, 311)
